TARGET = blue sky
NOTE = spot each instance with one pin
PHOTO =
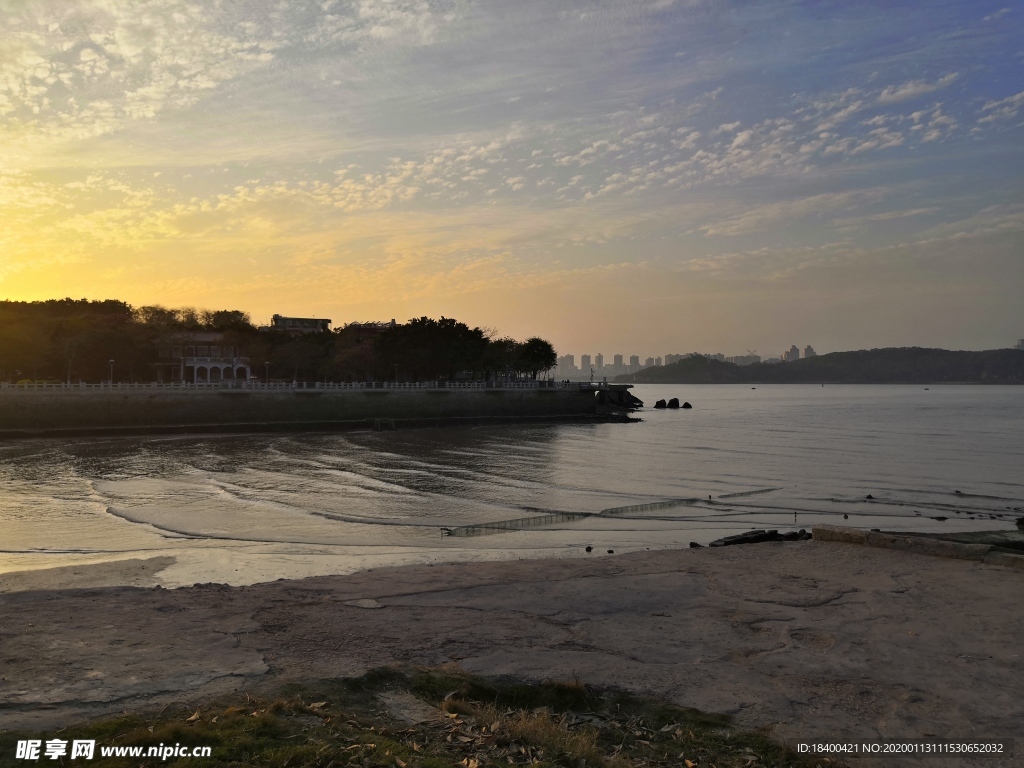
(642, 177)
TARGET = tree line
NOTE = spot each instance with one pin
(897, 365)
(83, 340)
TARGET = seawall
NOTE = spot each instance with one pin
(69, 410)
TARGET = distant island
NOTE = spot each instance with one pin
(902, 365)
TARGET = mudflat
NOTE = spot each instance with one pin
(812, 640)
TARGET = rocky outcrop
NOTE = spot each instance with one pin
(760, 535)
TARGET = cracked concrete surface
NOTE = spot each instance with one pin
(810, 639)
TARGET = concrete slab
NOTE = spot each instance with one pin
(808, 639)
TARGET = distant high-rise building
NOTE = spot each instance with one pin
(599, 362)
(617, 361)
(567, 367)
(634, 361)
(809, 352)
(657, 362)
(744, 359)
(1020, 344)
(649, 362)
(585, 365)
(792, 355)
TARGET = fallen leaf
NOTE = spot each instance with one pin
(689, 763)
(193, 718)
(213, 719)
(399, 763)
(318, 705)
(150, 729)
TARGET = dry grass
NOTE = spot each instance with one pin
(476, 724)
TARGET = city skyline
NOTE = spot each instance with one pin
(566, 366)
(617, 174)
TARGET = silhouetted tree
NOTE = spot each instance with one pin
(431, 349)
(536, 355)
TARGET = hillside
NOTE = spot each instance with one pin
(905, 365)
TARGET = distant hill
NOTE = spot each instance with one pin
(903, 365)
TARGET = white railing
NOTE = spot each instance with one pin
(291, 386)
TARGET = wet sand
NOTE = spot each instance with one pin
(811, 640)
(134, 572)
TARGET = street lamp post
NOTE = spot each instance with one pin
(396, 373)
(266, 372)
(111, 371)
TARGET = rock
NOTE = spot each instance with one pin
(611, 551)
(940, 518)
(687, 405)
(1020, 523)
(846, 517)
(660, 404)
(673, 403)
(751, 537)
(365, 602)
(695, 545)
(958, 492)
(839, 533)
(590, 549)
(869, 496)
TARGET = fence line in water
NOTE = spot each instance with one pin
(537, 521)
(746, 493)
(614, 511)
(517, 524)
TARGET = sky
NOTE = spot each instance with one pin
(618, 176)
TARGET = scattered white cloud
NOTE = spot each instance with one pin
(914, 88)
(858, 221)
(1002, 109)
(997, 15)
(762, 217)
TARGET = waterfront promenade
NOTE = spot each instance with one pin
(63, 409)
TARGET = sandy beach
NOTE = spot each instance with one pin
(808, 639)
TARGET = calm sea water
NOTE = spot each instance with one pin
(248, 508)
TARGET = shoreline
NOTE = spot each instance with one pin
(355, 425)
(827, 640)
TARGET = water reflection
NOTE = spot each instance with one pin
(242, 508)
